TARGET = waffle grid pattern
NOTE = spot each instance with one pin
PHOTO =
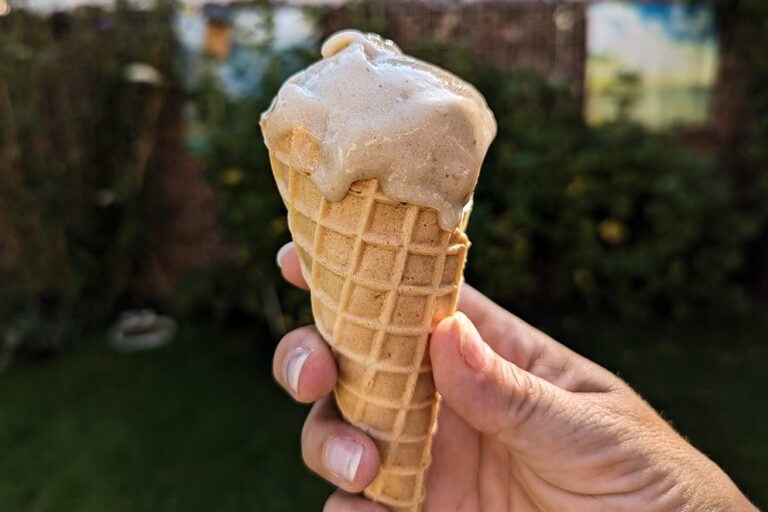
(382, 273)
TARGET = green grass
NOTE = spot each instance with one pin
(201, 426)
(198, 426)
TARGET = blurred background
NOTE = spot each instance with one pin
(623, 208)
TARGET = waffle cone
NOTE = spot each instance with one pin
(382, 274)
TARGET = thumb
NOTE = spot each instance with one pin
(492, 394)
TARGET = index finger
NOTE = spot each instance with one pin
(288, 261)
(508, 335)
(529, 348)
(494, 322)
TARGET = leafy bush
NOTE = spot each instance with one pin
(567, 217)
(77, 134)
(751, 164)
(611, 219)
(249, 206)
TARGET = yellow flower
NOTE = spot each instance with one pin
(521, 248)
(243, 255)
(577, 186)
(582, 278)
(232, 176)
(612, 231)
(278, 226)
(676, 271)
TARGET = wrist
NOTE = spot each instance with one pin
(704, 487)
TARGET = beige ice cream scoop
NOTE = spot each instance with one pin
(376, 155)
(376, 113)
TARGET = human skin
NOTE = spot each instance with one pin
(525, 424)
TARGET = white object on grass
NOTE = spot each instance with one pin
(142, 330)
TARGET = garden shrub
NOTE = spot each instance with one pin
(77, 140)
(250, 210)
(568, 218)
(611, 219)
(749, 158)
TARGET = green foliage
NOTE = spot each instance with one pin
(568, 217)
(746, 159)
(756, 144)
(250, 209)
(611, 219)
(76, 146)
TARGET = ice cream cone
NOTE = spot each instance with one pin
(382, 273)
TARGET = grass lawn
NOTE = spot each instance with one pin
(196, 426)
(200, 426)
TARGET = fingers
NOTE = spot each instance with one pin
(341, 501)
(288, 261)
(337, 451)
(507, 334)
(493, 395)
(531, 349)
(304, 365)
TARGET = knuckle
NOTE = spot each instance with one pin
(521, 402)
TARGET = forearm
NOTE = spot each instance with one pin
(706, 488)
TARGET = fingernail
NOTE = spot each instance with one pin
(293, 366)
(284, 249)
(342, 457)
(473, 348)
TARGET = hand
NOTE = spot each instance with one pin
(525, 424)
